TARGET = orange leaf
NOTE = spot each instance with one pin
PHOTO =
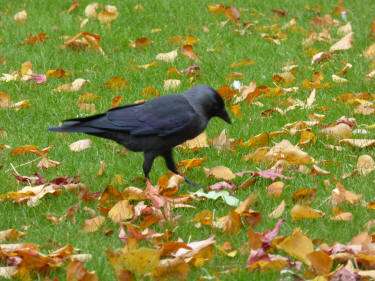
(188, 51)
(233, 14)
(116, 101)
(254, 240)
(242, 63)
(23, 149)
(216, 9)
(204, 217)
(275, 189)
(4, 99)
(190, 40)
(150, 91)
(236, 110)
(304, 196)
(320, 261)
(117, 83)
(141, 43)
(75, 271)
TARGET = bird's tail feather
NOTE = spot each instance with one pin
(74, 126)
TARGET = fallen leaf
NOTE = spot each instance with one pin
(167, 57)
(93, 224)
(187, 50)
(219, 172)
(361, 143)
(337, 132)
(299, 212)
(344, 43)
(278, 211)
(298, 245)
(365, 165)
(117, 83)
(122, 210)
(171, 84)
(90, 10)
(20, 17)
(320, 261)
(80, 145)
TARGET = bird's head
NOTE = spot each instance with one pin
(209, 101)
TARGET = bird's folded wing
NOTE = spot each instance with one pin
(163, 116)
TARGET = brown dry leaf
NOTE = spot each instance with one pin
(216, 9)
(10, 234)
(233, 14)
(117, 83)
(75, 271)
(4, 99)
(320, 261)
(288, 152)
(90, 10)
(299, 212)
(89, 40)
(45, 163)
(93, 224)
(108, 15)
(219, 172)
(298, 245)
(222, 142)
(190, 40)
(344, 43)
(340, 195)
(122, 210)
(150, 91)
(188, 51)
(80, 145)
(345, 216)
(242, 63)
(172, 84)
(365, 165)
(316, 171)
(258, 156)
(285, 79)
(116, 101)
(86, 97)
(278, 211)
(141, 43)
(234, 76)
(167, 57)
(304, 196)
(236, 110)
(275, 189)
(315, 82)
(226, 93)
(361, 143)
(370, 52)
(204, 217)
(337, 132)
(196, 143)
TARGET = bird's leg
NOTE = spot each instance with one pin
(149, 157)
(172, 166)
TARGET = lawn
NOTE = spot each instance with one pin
(278, 51)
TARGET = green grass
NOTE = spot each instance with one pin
(29, 126)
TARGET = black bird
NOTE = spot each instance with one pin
(156, 126)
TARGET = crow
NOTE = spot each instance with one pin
(156, 126)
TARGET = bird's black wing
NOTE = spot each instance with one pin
(162, 116)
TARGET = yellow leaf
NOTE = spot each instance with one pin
(219, 172)
(299, 212)
(122, 210)
(298, 245)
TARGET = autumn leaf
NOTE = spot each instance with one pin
(93, 224)
(187, 50)
(219, 172)
(117, 83)
(167, 57)
(122, 210)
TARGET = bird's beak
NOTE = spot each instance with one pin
(224, 115)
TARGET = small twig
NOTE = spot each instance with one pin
(24, 164)
(14, 169)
